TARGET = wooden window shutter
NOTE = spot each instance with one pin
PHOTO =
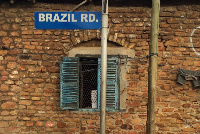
(69, 83)
(112, 91)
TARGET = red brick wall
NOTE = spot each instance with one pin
(29, 71)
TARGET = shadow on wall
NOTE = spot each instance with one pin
(116, 3)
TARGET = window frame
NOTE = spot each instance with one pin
(116, 82)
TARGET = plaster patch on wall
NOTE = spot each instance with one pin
(191, 41)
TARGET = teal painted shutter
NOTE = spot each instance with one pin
(112, 98)
(112, 91)
(99, 83)
(69, 83)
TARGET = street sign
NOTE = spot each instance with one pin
(67, 20)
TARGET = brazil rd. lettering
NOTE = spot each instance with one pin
(67, 20)
(64, 17)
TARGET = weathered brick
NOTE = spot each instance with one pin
(25, 102)
(13, 112)
(126, 115)
(136, 104)
(22, 93)
(38, 81)
(118, 122)
(3, 124)
(132, 132)
(42, 69)
(49, 124)
(15, 26)
(50, 86)
(14, 77)
(126, 126)
(29, 47)
(6, 26)
(57, 52)
(29, 90)
(166, 87)
(49, 103)
(14, 72)
(32, 68)
(36, 57)
(9, 82)
(3, 52)
(11, 65)
(138, 127)
(4, 88)
(2, 130)
(35, 98)
(193, 15)
(39, 103)
(5, 113)
(38, 123)
(61, 124)
(9, 105)
(22, 68)
(2, 68)
(48, 90)
(7, 40)
(9, 118)
(27, 80)
(186, 105)
(175, 115)
(167, 120)
(12, 129)
(136, 121)
(71, 125)
(3, 33)
(15, 88)
(91, 121)
(15, 33)
(38, 32)
(172, 20)
(27, 32)
(179, 14)
(191, 93)
(29, 123)
(174, 62)
(54, 69)
(188, 129)
(34, 74)
(128, 30)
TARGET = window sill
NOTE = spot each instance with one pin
(98, 110)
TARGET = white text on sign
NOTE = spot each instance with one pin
(48, 17)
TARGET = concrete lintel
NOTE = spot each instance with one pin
(97, 51)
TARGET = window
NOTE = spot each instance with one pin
(88, 83)
(79, 76)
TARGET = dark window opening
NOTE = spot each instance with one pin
(88, 82)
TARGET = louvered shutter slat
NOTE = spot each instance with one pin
(69, 83)
(112, 98)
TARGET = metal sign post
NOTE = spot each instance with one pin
(103, 65)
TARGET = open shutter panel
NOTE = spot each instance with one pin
(112, 84)
(112, 97)
(69, 83)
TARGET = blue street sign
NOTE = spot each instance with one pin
(67, 20)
